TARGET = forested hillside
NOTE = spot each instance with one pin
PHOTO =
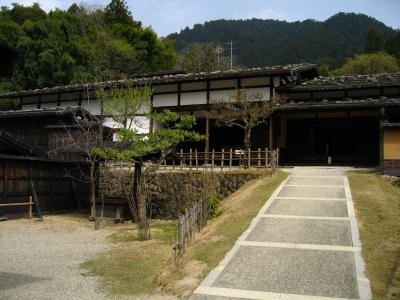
(83, 43)
(259, 42)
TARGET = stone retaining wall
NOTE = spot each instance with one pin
(172, 192)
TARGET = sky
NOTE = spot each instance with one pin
(168, 16)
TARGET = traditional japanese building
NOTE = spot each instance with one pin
(345, 120)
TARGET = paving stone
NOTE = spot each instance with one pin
(333, 181)
(291, 271)
(320, 232)
(315, 208)
(313, 192)
(209, 297)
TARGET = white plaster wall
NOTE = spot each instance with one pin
(277, 81)
(29, 106)
(69, 103)
(165, 100)
(221, 95)
(264, 92)
(194, 98)
(92, 106)
(49, 105)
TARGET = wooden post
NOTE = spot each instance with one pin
(181, 239)
(259, 157)
(222, 158)
(190, 158)
(230, 159)
(271, 130)
(212, 159)
(181, 159)
(266, 157)
(207, 142)
(30, 208)
(277, 157)
(196, 158)
(249, 158)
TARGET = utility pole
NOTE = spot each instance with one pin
(231, 44)
(218, 50)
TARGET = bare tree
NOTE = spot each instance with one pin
(245, 110)
(85, 133)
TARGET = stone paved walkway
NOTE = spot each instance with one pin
(303, 244)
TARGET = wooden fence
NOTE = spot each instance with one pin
(225, 159)
(193, 221)
(50, 183)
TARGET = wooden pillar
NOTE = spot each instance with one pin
(271, 134)
(381, 140)
(207, 141)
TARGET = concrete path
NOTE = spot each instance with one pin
(303, 244)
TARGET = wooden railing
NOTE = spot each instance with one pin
(29, 204)
(225, 159)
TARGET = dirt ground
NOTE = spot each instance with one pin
(41, 259)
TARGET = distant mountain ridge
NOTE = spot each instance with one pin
(259, 42)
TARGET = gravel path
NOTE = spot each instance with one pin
(41, 260)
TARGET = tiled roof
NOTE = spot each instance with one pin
(41, 112)
(170, 77)
(345, 82)
(346, 102)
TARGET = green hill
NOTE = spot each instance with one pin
(260, 42)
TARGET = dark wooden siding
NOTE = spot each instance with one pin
(52, 181)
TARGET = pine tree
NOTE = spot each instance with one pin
(375, 42)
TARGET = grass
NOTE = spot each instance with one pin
(144, 268)
(377, 205)
(133, 267)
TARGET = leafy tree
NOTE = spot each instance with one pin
(202, 57)
(245, 110)
(124, 103)
(84, 43)
(375, 42)
(260, 42)
(117, 12)
(393, 45)
(373, 63)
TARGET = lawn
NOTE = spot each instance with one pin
(377, 205)
(150, 268)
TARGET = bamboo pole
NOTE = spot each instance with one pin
(259, 157)
(249, 158)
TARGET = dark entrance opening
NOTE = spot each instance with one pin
(348, 141)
